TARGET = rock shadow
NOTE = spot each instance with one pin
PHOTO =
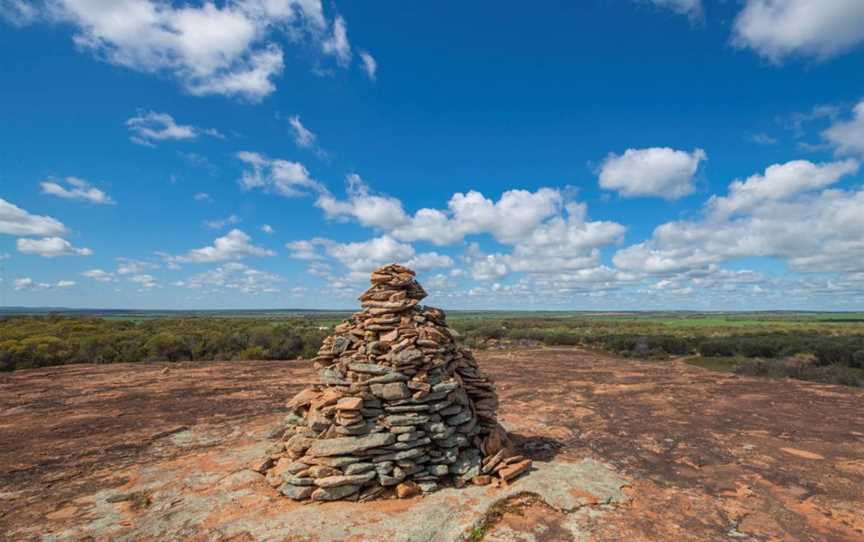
(535, 447)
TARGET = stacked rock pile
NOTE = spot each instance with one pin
(400, 408)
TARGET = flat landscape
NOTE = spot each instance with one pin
(653, 451)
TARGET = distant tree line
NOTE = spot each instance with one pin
(40, 341)
(819, 352)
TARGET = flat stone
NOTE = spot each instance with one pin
(512, 471)
(386, 480)
(389, 377)
(439, 405)
(298, 481)
(321, 471)
(358, 429)
(409, 436)
(428, 486)
(391, 391)
(399, 409)
(468, 459)
(349, 445)
(445, 387)
(411, 444)
(334, 493)
(358, 468)
(406, 419)
(343, 480)
(407, 355)
(460, 418)
(337, 462)
(369, 368)
(261, 466)
(298, 493)
(349, 403)
(481, 480)
(450, 410)
(385, 467)
(439, 470)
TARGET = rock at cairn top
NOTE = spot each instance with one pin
(400, 408)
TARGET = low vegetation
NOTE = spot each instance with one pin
(39, 341)
(808, 347)
(824, 348)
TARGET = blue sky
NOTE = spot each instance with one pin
(605, 154)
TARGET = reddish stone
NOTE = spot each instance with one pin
(407, 489)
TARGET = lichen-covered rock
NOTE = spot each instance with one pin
(399, 408)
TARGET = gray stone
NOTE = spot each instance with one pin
(297, 481)
(460, 418)
(407, 355)
(432, 397)
(428, 487)
(399, 409)
(334, 493)
(439, 405)
(298, 493)
(392, 391)
(337, 462)
(409, 436)
(446, 387)
(385, 467)
(341, 344)
(450, 410)
(387, 480)
(333, 378)
(451, 441)
(358, 468)
(439, 470)
(387, 378)
(369, 368)
(411, 444)
(349, 445)
(468, 459)
(406, 419)
(357, 429)
(345, 479)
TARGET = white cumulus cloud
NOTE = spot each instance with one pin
(236, 245)
(99, 275)
(227, 48)
(26, 283)
(286, 178)
(148, 127)
(51, 247)
(303, 137)
(847, 136)
(691, 8)
(656, 171)
(777, 29)
(16, 221)
(788, 213)
(233, 276)
(76, 189)
(218, 224)
(370, 65)
(337, 43)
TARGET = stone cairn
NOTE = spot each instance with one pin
(400, 408)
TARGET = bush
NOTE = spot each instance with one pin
(253, 353)
(830, 374)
